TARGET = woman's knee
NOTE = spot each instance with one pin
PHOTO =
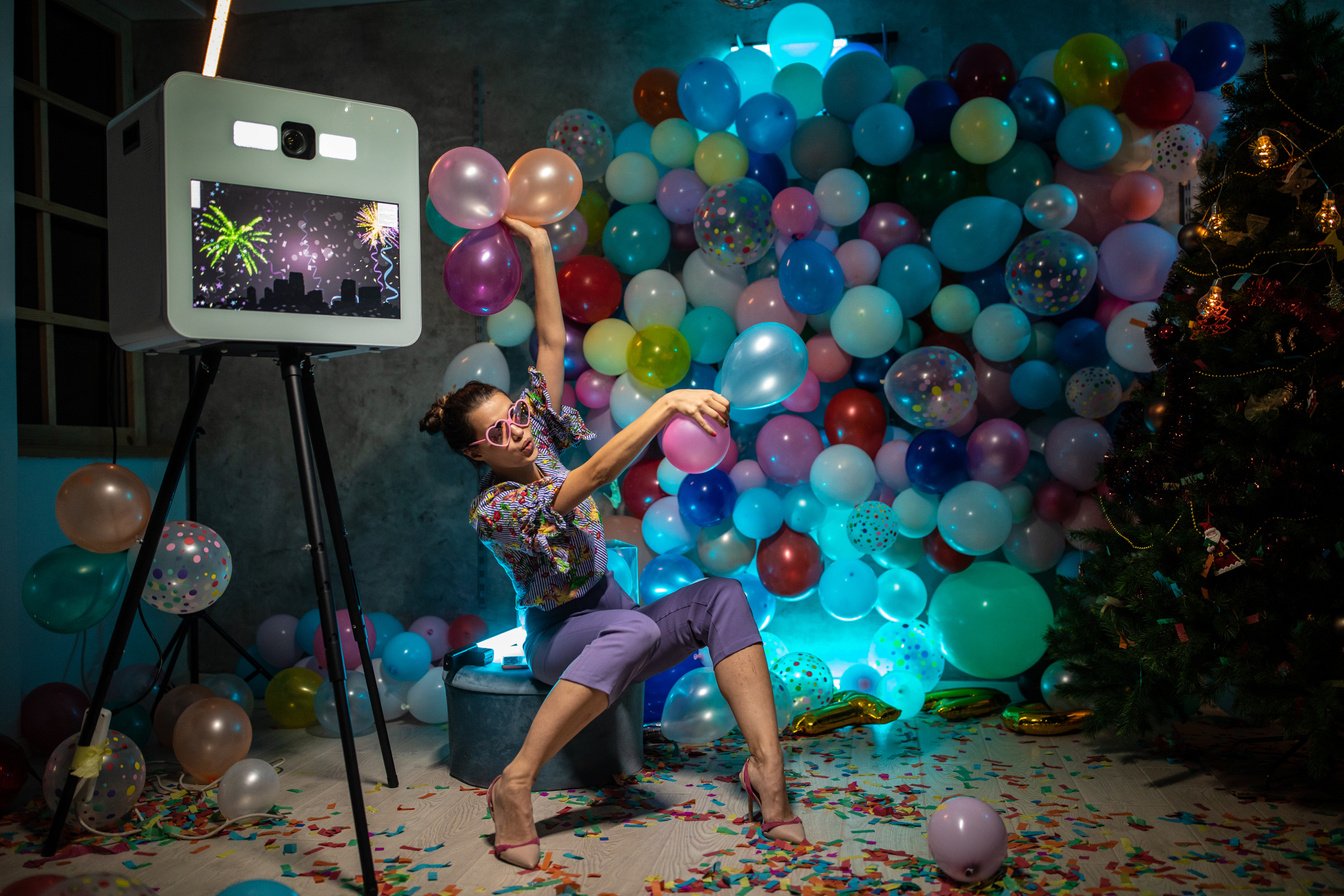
(641, 632)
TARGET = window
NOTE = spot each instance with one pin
(78, 392)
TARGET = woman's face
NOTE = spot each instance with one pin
(519, 449)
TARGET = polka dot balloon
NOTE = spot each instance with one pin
(120, 780)
(1050, 272)
(733, 223)
(99, 884)
(191, 569)
(932, 388)
(585, 137)
(1093, 392)
(1176, 152)
(807, 680)
(910, 648)
(871, 526)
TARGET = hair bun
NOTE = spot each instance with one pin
(432, 422)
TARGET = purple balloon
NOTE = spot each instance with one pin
(890, 463)
(1142, 49)
(679, 194)
(887, 225)
(575, 362)
(997, 451)
(1074, 450)
(786, 447)
(568, 236)
(967, 839)
(482, 272)
(1134, 261)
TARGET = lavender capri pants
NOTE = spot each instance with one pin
(602, 640)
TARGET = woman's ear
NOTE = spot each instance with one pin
(473, 453)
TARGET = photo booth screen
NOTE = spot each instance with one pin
(262, 249)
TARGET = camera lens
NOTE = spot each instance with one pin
(297, 140)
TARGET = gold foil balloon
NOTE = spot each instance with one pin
(103, 508)
(722, 550)
(289, 697)
(544, 187)
(955, 704)
(847, 708)
(1037, 718)
(210, 736)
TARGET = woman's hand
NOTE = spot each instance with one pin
(699, 404)
(536, 237)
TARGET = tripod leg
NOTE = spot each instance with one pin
(344, 565)
(130, 600)
(171, 651)
(238, 648)
(303, 451)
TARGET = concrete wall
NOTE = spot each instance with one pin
(404, 495)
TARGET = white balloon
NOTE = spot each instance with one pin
(427, 700)
(654, 297)
(630, 398)
(249, 787)
(707, 283)
(483, 362)
(1125, 339)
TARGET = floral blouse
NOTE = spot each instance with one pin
(551, 557)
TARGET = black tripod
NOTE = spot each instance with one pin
(315, 477)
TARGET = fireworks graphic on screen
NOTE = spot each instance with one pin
(241, 239)
(376, 224)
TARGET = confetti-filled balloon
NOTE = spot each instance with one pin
(117, 787)
(871, 526)
(585, 137)
(932, 388)
(1093, 392)
(1176, 152)
(733, 222)
(191, 568)
(912, 648)
(1050, 272)
(99, 884)
(807, 678)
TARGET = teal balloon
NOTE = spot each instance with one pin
(974, 233)
(388, 627)
(993, 618)
(765, 365)
(801, 32)
(974, 518)
(883, 134)
(848, 589)
(1001, 332)
(665, 574)
(70, 589)
(636, 238)
(709, 331)
(440, 226)
(1088, 137)
(1020, 173)
(912, 275)
(853, 83)
(257, 888)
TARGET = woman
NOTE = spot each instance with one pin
(585, 636)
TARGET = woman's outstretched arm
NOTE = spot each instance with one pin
(611, 459)
(550, 323)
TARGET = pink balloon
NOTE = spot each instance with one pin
(468, 187)
(1137, 195)
(1142, 49)
(747, 474)
(806, 397)
(890, 463)
(997, 451)
(568, 236)
(603, 428)
(349, 647)
(691, 449)
(994, 395)
(887, 225)
(762, 302)
(679, 193)
(860, 261)
(1134, 261)
(967, 423)
(967, 839)
(1206, 112)
(795, 211)
(730, 459)
(1107, 308)
(1055, 501)
(568, 397)
(786, 447)
(1087, 517)
(434, 630)
(594, 389)
(826, 358)
(482, 272)
(1096, 217)
(1074, 450)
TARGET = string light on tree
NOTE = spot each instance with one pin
(1264, 151)
(1216, 222)
(1327, 217)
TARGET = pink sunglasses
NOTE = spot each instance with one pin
(497, 433)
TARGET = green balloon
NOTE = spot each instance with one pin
(440, 226)
(884, 181)
(933, 177)
(70, 588)
(993, 619)
(1017, 175)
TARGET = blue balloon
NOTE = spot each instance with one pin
(936, 461)
(810, 278)
(664, 574)
(700, 376)
(636, 138)
(987, 284)
(766, 363)
(637, 238)
(1038, 108)
(306, 630)
(406, 657)
(883, 134)
(1211, 52)
(761, 602)
(657, 687)
(1035, 385)
(912, 275)
(706, 498)
(766, 123)
(868, 373)
(758, 513)
(974, 232)
(386, 627)
(767, 169)
(1089, 137)
(1081, 343)
(931, 105)
(708, 94)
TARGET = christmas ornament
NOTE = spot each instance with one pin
(1264, 151)
(1215, 221)
(1192, 236)
(1222, 559)
(1155, 415)
(1267, 406)
(1327, 217)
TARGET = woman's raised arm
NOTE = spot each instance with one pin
(550, 322)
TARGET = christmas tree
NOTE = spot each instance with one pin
(1220, 582)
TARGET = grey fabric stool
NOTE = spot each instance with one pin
(490, 709)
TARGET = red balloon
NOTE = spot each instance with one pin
(590, 289)
(1055, 501)
(982, 70)
(50, 713)
(640, 488)
(788, 562)
(856, 417)
(1158, 94)
(943, 556)
(33, 885)
(656, 95)
(466, 630)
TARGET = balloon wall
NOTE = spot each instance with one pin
(924, 293)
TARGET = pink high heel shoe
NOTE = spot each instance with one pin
(505, 851)
(775, 830)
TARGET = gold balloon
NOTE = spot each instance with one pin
(955, 704)
(1037, 718)
(845, 709)
(210, 736)
(544, 187)
(171, 707)
(289, 697)
(722, 550)
(103, 508)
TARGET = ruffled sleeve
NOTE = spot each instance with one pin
(562, 425)
(522, 519)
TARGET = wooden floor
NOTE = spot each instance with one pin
(1083, 817)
